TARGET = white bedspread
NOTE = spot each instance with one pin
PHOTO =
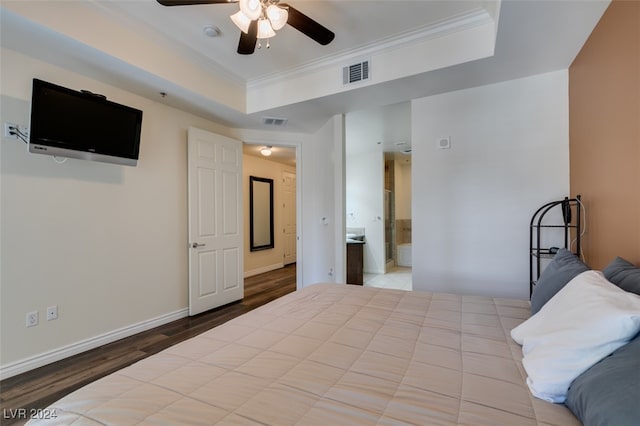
(333, 355)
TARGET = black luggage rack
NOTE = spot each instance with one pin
(570, 219)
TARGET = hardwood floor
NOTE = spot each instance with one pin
(43, 386)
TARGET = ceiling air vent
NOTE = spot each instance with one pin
(356, 72)
(275, 121)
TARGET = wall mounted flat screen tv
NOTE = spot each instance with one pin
(80, 124)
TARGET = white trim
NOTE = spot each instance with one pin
(45, 358)
(263, 269)
(299, 217)
(340, 191)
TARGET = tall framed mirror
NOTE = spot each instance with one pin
(260, 213)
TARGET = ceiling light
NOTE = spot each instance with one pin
(278, 16)
(266, 151)
(251, 8)
(269, 15)
(211, 31)
(242, 21)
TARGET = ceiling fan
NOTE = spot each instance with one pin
(259, 19)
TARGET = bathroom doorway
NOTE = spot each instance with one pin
(378, 191)
(397, 199)
(397, 224)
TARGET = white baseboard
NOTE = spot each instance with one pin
(45, 358)
(263, 269)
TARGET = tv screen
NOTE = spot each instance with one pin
(80, 124)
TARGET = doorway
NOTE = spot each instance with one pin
(378, 191)
(278, 164)
(398, 233)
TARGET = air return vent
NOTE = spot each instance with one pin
(356, 72)
(275, 121)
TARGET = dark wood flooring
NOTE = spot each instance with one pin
(40, 387)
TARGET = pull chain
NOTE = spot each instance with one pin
(260, 44)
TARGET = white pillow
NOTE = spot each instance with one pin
(585, 321)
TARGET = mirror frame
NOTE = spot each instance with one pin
(256, 195)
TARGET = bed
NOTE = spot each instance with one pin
(333, 354)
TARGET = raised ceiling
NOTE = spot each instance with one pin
(415, 48)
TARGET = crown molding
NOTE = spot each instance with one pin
(471, 19)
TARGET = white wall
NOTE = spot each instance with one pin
(322, 174)
(365, 204)
(472, 203)
(107, 244)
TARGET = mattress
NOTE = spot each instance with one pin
(332, 354)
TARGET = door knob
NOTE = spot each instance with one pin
(196, 245)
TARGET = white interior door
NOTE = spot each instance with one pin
(215, 220)
(289, 216)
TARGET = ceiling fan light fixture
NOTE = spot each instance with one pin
(242, 21)
(260, 19)
(252, 9)
(264, 29)
(278, 16)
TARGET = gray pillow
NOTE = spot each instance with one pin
(624, 274)
(562, 269)
(607, 393)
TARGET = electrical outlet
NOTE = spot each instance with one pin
(52, 313)
(32, 319)
(7, 130)
(10, 131)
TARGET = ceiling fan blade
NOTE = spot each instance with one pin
(192, 2)
(247, 43)
(308, 26)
